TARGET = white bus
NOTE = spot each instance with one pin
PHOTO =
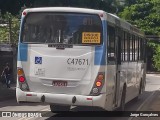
(79, 57)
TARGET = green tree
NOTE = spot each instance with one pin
(14, 6)
(145, 15)
(106, 5)
(9, 29)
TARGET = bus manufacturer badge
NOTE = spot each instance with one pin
(38, 60)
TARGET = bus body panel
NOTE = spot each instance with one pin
(59, 75)
(62, 99)
(72, 65)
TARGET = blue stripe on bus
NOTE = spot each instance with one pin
(22, 52)
(100, 51)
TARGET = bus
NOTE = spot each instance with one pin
(79, 57)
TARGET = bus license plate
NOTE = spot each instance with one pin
(60, 83)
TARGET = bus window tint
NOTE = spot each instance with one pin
(111, 43)
(64, 28)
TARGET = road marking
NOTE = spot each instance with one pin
(130, 118)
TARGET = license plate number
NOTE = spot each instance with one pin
(60, 83)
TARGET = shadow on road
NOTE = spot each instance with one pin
(13, 102)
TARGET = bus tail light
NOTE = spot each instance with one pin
(98, 84)
(22, 80)
(100, 77)
(20, 72)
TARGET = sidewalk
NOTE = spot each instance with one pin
(7, 93)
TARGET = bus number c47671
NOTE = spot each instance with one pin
(74, 61)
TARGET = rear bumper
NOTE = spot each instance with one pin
(81, 100)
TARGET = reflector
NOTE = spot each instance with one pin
(89, 98)
(28, 94)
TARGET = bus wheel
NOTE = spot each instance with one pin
(59, 108)
(122, 105)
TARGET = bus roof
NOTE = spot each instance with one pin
(64, 9)
(123, 24)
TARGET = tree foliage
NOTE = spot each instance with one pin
(155, 45)
(14, 6)
(10, 28)
(145, 15)
(95, 4)
(11, 6)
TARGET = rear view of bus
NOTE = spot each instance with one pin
(61, 57)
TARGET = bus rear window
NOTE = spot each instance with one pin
(66, 28)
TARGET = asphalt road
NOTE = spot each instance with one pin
(152, 84)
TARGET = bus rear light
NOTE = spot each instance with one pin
(21, 79)
(95, 90)
(100, 77)
(24, 86)
(98, 83)
(20, 72)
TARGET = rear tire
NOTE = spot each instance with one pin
(59, 108)
(122, 105)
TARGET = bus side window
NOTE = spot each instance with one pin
(131, 48)
(111, 44)
(128, 46)
(141, 49)
(136, 48)
(125, 46)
